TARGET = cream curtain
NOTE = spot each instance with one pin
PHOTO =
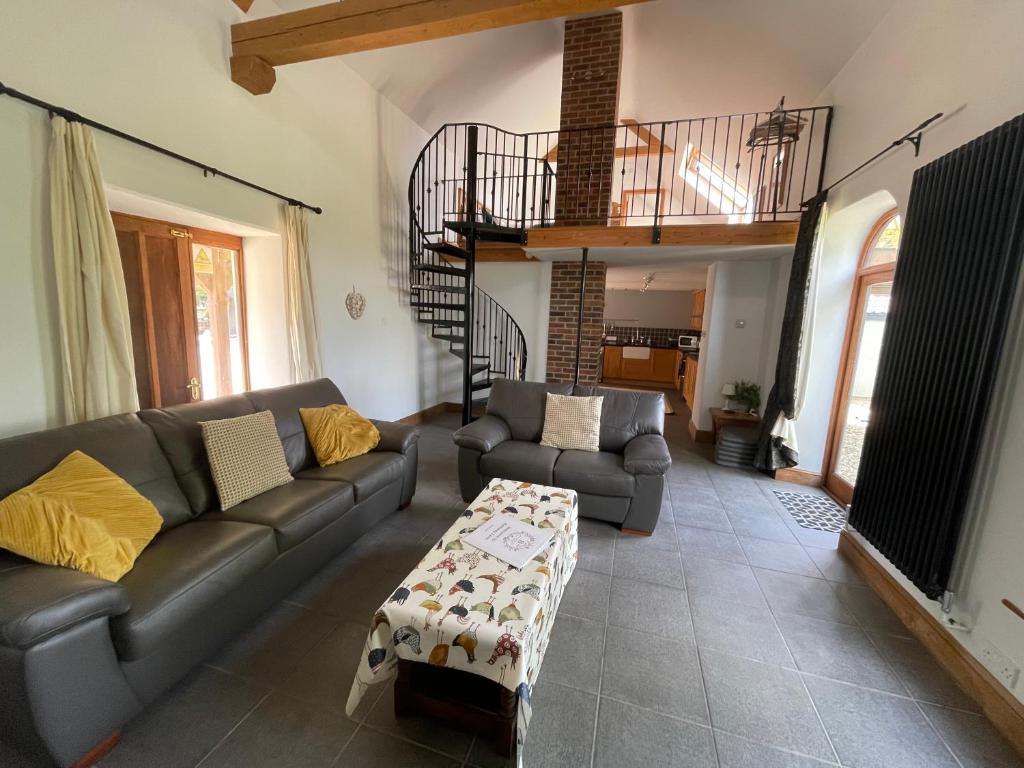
(95, 329)
(303, 340)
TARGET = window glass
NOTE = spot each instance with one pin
(886, 244)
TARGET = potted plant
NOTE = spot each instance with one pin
(747, 395)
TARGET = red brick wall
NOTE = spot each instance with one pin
(563, 316)
(591, 65)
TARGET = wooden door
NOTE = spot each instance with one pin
(157, 266)
(665, 367)
(690, 382)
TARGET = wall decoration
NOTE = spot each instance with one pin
(355, 303)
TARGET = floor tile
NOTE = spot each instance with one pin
(839, 651)
(351, 590)
(628, 736)
(920, 673)
(427, 731)
(761, 525)
(561, 731)
(586, 595)
(973, 739)
(763, 702)
(700, 516)
(647, 607)
(739, 629)
(283, 731)
(737, 752)
(573, 656)
(723, 581)
(777, 556)
(9, 758)
(654, 672)
(597, 543)
(705, 542)
(833, 565)
(373, 749)
(788, 593)
(663, 537)
(870, 610)
(695, 494)
(271, 650)
(324, 677)
(655, 566)
(877, 730)
(206, 707)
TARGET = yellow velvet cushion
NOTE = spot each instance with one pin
(337, 432)
(79, 515)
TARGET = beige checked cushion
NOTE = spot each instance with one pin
(572, 422)
(246, 456)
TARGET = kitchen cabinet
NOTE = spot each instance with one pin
(612, 363)
(697, 311)
(665, 365)
(690, 381)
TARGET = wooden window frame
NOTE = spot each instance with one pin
(839, 489)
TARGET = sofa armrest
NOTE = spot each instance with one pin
(646, 455)
(40, 601)
(395, 437)
(484, 434)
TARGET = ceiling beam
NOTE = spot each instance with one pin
(245, 5)
(362, 25)
(757, 233)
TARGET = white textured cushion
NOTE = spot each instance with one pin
(246, 456)
(572, 423)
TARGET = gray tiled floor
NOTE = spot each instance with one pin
(733, 638)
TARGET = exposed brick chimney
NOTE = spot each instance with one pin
(591, 69)
(562, 318)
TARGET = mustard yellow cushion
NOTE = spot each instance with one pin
(79, 515)
(337, 432)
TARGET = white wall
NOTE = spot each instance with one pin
(160, 70)
(964, 58)
(746, 291)
(524, 290)
(649, 309)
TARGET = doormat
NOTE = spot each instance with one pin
(818, 513)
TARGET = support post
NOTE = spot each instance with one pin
(579, 315)
(657, 189)
(470, 281)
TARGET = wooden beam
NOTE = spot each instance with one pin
(1001, 707)
(363, 25)
(253, 74)
(757, 233)
(488, 252)
(245, 5)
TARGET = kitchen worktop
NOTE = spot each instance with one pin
(627, 343)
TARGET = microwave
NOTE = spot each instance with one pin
(689, 341)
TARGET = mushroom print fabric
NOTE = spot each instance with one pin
(464, 609)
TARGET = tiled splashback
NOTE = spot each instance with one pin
(657, 335)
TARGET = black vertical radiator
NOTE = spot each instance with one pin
(950, 312)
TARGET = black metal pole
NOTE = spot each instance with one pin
(579, 315)
(470, 282)
(74, 117)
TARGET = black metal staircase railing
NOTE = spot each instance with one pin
(474, 182)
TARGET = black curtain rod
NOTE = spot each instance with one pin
(913, 136)
(207, 170)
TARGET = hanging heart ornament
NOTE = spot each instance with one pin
(355, 303)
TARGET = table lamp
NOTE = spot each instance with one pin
(728, 390)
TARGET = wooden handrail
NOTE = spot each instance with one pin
(1013, 608)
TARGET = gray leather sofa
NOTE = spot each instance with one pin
(622, 483)
(80, 656)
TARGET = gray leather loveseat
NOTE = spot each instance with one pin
(80, 656)
(622, 483)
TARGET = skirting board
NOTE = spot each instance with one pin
(700, 435)
(432, 412)
(1005, 711)
(799, 476)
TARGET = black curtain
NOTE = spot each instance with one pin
(771, 453)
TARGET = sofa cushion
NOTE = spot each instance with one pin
(123, 444)
(181, 438)
(572, 423)
(182, 574)
(295, 511)
(285, 402)
(245, 457)
(598, 473)
(520, 460)
(367, 473)
(337, 432)
(626, 414)
(520, 404)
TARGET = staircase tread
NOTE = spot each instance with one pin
(478, 385)
(438, 288)
(489, 232)
(439, 305)
(448, 249)
(439, 269)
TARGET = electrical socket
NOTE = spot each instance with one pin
(999, 664)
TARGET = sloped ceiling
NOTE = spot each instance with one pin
(681, 58)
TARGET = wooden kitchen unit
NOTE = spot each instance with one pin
(690, 380)
(651, 366)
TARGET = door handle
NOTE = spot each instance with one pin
(194, 388)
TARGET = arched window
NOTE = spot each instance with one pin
(869, 309)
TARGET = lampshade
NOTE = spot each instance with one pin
(728, 390)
